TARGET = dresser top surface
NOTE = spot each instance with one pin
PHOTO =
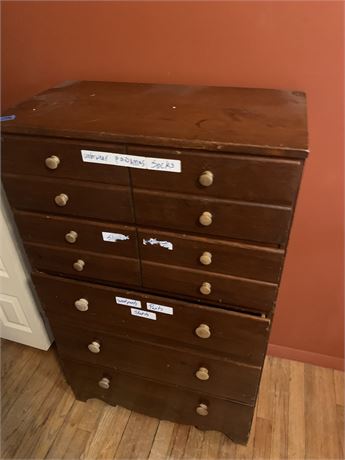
(224, 119)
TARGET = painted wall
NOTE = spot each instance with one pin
(255, 44)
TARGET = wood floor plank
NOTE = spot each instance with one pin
(25, 409)
(266, 391)
(179, 441)
(296, 428)
(247, 452)
(262, 439)
(137, 438)
(211, 444)
(163, 441)
(341, 430)
(227, 449)
(76, 446)
(339, 387)
(320, 414)
(107, 436)
(194, 444)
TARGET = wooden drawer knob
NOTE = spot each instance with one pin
(81, 304)
(104, 383)
(203, 331)
(205, 288)
(206, 179)
(206, 258)
(71, 236)
(202, 409)
(94, 347)
(61, 200)
(202, 373)
(205, 219)
(52, 162)
(79, 265)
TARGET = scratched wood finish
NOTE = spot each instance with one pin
(227, 257)
(176, 366)
(230, 219)
(214, 118)
(27, 156)
(234, 335)
(96, 266)
(51, 230)
(225, 290)
(52, 424)
(271, 180)
(86, 199)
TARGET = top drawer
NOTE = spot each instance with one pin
(238, 177)
(36, 157)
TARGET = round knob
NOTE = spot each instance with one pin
(205, 288)
(203, 331)
(205, 219)
(206, 258)
(206, 179)
(81, 304)
(202, 373)
(71, 237)
(104, 383)
(79, 265)
(202, 409)
(52, 162)
(61, 200)
(94, 347)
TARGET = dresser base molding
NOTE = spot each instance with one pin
(165, 402)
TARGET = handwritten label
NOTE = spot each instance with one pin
(128, 302)
(113, 237)
(143, 313)
(162, 244)
(131, 161)
(160, 308)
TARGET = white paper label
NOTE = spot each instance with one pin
(143, 313)
(162, 244)
(128, 302)
(160, 308)
(113, 237)
(131, 161)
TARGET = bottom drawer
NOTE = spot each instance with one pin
(165, 402)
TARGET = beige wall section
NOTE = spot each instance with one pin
(20, 316)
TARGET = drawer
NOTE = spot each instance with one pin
(210, 287)
(230, 219)
(85, 199)
(165, 402)
(237, 177)
(28, 156)
(211, 255)
(78, 234)
(176, 366)
(83, 264)
(237, 336)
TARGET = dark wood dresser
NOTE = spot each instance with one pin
(156, 219)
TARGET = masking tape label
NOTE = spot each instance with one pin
(113, 237)
(162, 244)
(160, 308)
(128, 302)
(143, 313)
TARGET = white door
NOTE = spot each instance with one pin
(20, 317)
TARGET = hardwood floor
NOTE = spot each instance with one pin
(300, 414)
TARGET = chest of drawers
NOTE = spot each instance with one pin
(156, 219)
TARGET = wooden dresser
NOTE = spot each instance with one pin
(156, 219)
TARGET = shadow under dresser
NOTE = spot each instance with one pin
(156, 219)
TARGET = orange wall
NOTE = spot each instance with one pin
(256, 44)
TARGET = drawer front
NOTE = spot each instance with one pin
(165, 402)
(84, 264)
(85, 199)
(239, 220)
(176, 366)
(237, 336)
(210, 255)
(28, 156)
(209, 287)
(236, 177)
(78, 234)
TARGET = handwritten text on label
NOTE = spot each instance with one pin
(143, 313)
(128, 302)
(131, 161)
(113, 237)
(162, 244)
(160, 308)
